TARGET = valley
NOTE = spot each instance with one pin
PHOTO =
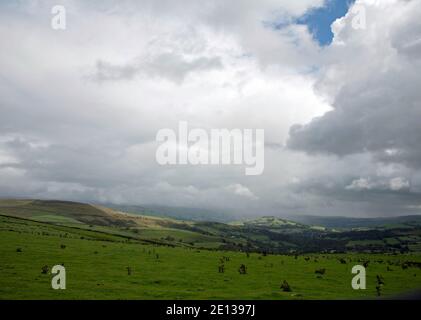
(115, 255)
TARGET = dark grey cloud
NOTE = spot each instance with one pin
(371, 76)
(376, 96)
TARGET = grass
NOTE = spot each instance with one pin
(56, 219)
(96, 267)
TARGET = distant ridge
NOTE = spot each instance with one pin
(264, 234)
(348, 222)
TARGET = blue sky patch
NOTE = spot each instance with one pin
(319, 20)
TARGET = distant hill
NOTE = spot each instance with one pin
(350, 223)
(183, 213)
(277, 224)
(264, 234)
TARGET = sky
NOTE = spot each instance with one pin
(339, 101)
(319, 19)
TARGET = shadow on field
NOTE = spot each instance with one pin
(414, 295)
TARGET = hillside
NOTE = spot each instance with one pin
(102, 265)
(110, 254)
(210, 235)
(265, 234)
(179, 213)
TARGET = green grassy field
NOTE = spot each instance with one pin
(96, 267)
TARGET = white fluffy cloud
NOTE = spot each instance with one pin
(395, 184)
(371, 78)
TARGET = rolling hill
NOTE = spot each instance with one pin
(115, 255)
(265, 234)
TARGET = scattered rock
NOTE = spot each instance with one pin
(285, 287)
